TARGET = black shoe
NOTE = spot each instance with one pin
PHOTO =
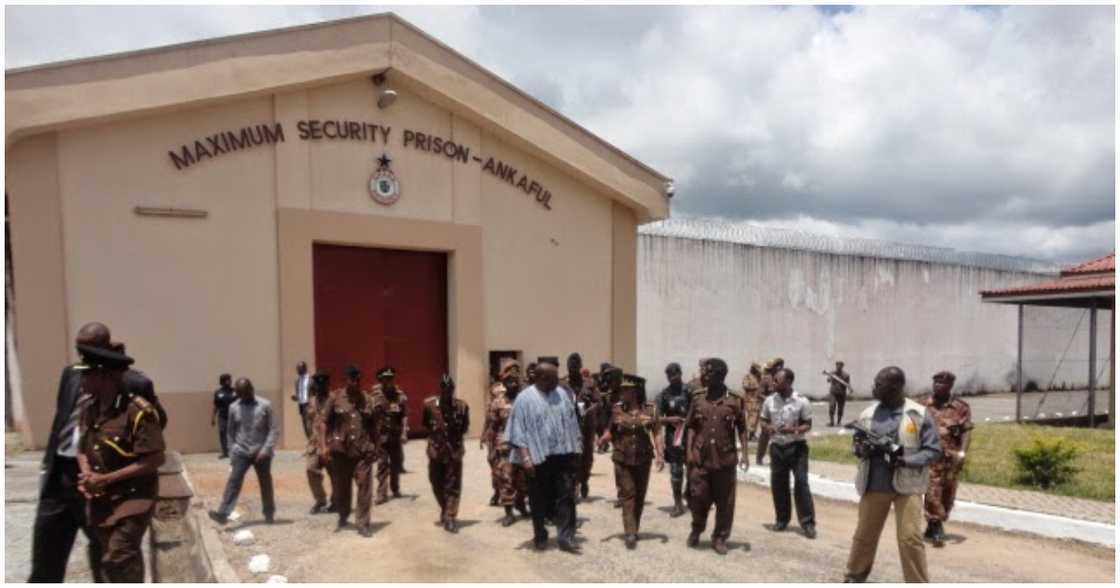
(223, 456)
(540, 544)
(618, 504)
(631, 541)
(520, 508)
(720, 546)
(365, 532)
(568, 547)
(318, 508)
(396, 493)
(332, 508)
(508, 519)
(584, 488)
(678, 510)
(342, 524)
(929, 530)
(494, 499)
(218, 517)
(694, 539)
(268, 519)
(779, 527)
(451, 526)
(938, 535)
(853, 580)
(810, 531)
(381, 501)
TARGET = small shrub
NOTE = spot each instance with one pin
(1047, 462)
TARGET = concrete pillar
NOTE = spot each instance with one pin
(176, 552)
(1092, 361)
(1019, 372)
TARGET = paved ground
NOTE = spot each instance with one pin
(991, 407)
(409, 546)
(21, 493)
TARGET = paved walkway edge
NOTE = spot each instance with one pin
(215, 553)
(1046, 525)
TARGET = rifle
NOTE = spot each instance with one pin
(868, 443)
(833, 377)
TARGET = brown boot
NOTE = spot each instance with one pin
(719, 545)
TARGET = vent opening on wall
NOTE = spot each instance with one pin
(172, 212)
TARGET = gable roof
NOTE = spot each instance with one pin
(82, 92)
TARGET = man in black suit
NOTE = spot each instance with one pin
(62, 510)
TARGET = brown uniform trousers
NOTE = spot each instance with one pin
(316, 471)
(395, 429)
(953, 420)
(632, 438)
(713, 458)
(766, 386)
(111, 441)
(513, 487)
(752, 401)
(352, 426)
(445, 452)
(496, 391)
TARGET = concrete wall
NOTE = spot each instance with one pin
(705, 298)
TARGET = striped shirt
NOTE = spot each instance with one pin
(545, 424)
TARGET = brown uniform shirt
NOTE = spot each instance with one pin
(315, 413)
(952, 419)
(498, 416)
(395, 409)
(752, 388)
(714, 425)
(353, 427)
(116, 439)
(446, 427)
(632, 434)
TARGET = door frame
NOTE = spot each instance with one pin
(298, 229)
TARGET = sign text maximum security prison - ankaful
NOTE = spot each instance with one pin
(223, 142)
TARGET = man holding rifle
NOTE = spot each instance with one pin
(839, 386)
(896, 441)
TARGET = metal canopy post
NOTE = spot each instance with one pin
(1092, 361)
(1019, 372)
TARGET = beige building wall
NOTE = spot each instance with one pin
(196, 297)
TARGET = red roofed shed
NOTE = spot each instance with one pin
(1090, 285)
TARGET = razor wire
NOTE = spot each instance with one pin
(759, 236)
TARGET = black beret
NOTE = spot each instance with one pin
(632, 381)
(386, 372)
(353, 372)
(101, 357)
(717, 364)
(321, 379)
(446, 382)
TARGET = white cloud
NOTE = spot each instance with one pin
(993, 127)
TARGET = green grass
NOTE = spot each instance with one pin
(991, 460)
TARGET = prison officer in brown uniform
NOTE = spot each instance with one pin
(953, 418)
(753, 398)
(509, 376)
(587, 402)
(390, 400)
(320, 392)
(513, 487)
(635, 432)
(447, 419)
(349, 429)
(715, 415)
(120, 449)
(767, 383)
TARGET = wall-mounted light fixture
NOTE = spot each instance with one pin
(174, 212)
(385, 96)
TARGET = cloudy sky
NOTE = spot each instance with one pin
(989, 129)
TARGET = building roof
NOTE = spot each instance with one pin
(1092, 279)
(759, 236)
(57, 96)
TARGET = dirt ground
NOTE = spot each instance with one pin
(409, 546)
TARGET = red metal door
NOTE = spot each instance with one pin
(378, 307)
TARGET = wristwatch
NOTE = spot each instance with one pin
(960, 454)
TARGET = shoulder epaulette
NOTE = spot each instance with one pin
(81, 367)
(431, 400)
